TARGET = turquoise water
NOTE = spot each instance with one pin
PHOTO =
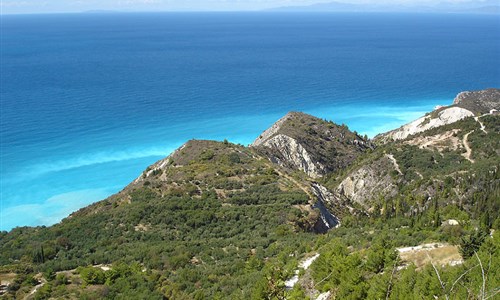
(89, 101)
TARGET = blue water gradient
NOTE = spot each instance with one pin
(89, 101)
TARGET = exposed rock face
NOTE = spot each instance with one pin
(466, 104)
(266, 135)
(479, 102)
(303, 142)
(292, 153)
(369, 181)
(438, 118)
(327, 220)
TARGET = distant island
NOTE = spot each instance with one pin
(310, 210)
(480, 7)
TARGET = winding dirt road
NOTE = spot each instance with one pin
(465, 141)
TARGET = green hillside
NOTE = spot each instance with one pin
(216, 220)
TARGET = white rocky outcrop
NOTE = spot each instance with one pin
(450, 222)
(325, 196)
(290, 151)
(366, 183)
(293, 153)
(324, 296)
(266, 135)
(444, 117)
(350, 186)
(305, 264)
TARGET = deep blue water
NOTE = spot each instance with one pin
(89, 101)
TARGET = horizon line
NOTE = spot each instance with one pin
(271, 10)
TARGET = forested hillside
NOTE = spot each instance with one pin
(216, 220)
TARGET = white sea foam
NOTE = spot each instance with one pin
(74, 175)
(95, 158)
(52, 210)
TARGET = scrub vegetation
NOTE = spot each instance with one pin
(220, 221)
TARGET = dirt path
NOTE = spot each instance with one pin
(36, 288)
(446, 140)
(483, 128)
(465, 141)
(395, 162)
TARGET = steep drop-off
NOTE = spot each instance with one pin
(317, 147)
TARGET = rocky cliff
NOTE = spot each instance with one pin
(302, 142)
(479, 102)
(364, 185)
(466, 104)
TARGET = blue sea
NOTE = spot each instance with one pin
(88, 101)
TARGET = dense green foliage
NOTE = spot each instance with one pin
(219, 221)
(373, 273)
(198, 244)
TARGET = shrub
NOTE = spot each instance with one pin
(91, 275)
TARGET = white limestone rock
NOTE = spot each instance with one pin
(444, 117)
(295, 154)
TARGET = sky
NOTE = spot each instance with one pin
(58, 6)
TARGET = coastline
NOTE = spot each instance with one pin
(61, 186)
(93, 102)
